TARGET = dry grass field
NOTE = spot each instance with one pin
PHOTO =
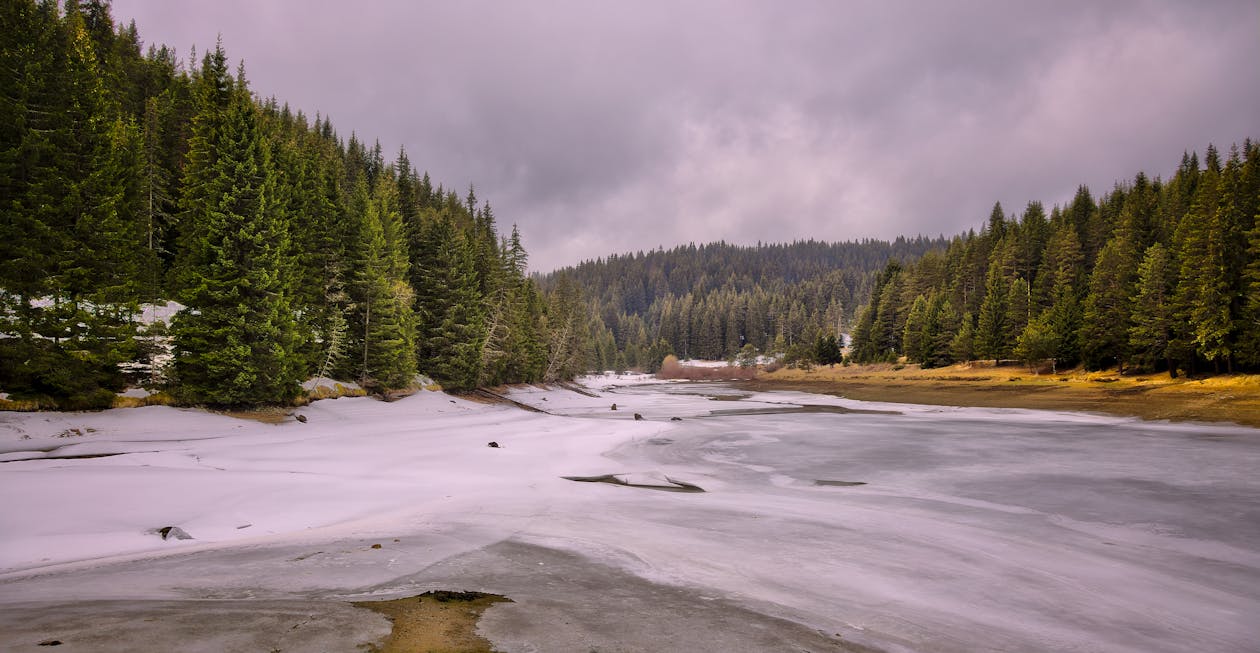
(1228, 398)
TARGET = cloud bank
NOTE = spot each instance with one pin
(604, 127)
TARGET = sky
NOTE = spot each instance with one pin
(606, 127)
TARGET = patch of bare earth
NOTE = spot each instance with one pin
(435, 622)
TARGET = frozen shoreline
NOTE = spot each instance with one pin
(946, 546)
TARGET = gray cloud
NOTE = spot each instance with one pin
(605, 127)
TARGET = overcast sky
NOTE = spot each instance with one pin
(605, 127)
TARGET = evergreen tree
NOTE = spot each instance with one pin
(70, 236)
(448, 305)
(991, 328)
(1018, 313)
(1151, 335)
(1105, 321)
(917, 341)
(1037, 342)
(235, 340)
(826, 352)
(383, 350)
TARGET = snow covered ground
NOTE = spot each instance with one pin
(823, 521)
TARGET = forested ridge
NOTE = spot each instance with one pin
(710, 301)
(130, 178)
(1155, 275)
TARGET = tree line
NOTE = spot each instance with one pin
(713, 301)
(128, 178)
(1153, 275)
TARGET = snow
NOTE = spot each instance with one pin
(976, 529)
(696, 362)
(331, 385)
(212, 475)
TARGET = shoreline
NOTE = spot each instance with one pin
(1226, 398)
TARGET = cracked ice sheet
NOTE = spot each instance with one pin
(977, 529)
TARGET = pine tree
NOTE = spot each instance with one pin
(566, 354)
(991, 327)
(963, 346)
(235, 340)
(383, 348)
(1202, 297)
(448, 304)
(1151, 335)
(1018, 312)
(70, 235)
(1037, 342)
(917, 339)
(1105, 320)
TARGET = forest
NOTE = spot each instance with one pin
(130, 179)
(712, 301)
(1153, 275)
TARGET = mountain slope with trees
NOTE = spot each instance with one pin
(128, 179)
(1157, 275)
(711, 301)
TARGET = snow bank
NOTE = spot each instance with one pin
(94, 484)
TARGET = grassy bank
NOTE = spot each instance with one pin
(1232, 398)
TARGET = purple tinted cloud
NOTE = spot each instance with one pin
(604, 127)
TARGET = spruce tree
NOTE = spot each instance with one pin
(1151, 335)
(963, 346)
(991, 328)
(1105, 320)
(383, 351)
(235, 340)
(448, 304)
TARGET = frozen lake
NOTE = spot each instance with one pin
(825, 524)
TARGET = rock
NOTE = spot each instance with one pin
(638, 417)
(301, 418)
(675, 419)
(493, 445)
(171, 532)
(376, 546)
(614, 406)
(50, 642)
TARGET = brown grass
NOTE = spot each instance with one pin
(435, 622)
(1231, 398)
(672, 369)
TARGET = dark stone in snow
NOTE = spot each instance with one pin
(614, 406)
(172, 532)
(50, 642)
(675, 419)
(493, 445)
(301, 418)
(638, 417)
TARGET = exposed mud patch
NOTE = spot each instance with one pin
(440, 621)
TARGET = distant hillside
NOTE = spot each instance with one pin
(708, 301)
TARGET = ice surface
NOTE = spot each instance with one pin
(975, 530)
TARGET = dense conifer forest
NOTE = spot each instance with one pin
(712, 301)
(1153, 275)
(130, 178)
